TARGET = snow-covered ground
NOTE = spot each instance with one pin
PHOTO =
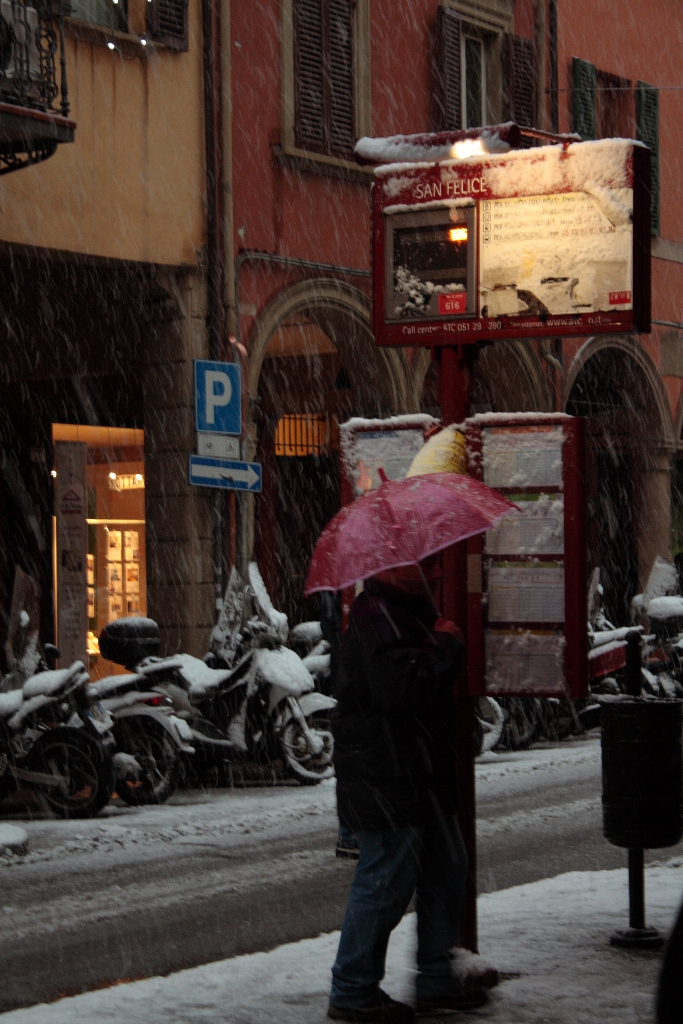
(193, 816)
(550, 938)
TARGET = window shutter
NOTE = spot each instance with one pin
(167, 22)
(448, 70)
(520, 80)
(308, 60)
(339, 84)
(584, 86)
(647, 120)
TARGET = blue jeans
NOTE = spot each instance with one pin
(428, 860)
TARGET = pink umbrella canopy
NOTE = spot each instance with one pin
(400, 523)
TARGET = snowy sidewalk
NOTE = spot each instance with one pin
(553, 935)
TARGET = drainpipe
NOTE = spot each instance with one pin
(215, 231)
(554, 84)
(540, 29)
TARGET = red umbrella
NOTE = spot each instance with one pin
(400, 523)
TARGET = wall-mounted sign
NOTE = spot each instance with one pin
(547, 241)
(218, 399)
(231, 476)
(72, 549)
(527, 577)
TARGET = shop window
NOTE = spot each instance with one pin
(308, 434)
(111, 14)
(115, 563)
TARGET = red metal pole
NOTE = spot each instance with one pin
(454, 379)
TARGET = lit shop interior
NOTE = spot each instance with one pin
(116, 576)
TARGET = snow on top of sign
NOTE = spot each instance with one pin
(403, 148)
(411, 419)
(502, 418)
(581, 167)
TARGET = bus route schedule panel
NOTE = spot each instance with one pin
(527, 577)
(552, 240)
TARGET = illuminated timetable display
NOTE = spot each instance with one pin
(552, 240)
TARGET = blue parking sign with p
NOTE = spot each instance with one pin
(218, 397)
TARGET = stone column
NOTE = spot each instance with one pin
(652, 500)
(179, 517)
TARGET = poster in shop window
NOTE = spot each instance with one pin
(72, 548)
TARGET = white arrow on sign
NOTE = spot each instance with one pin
(246, 476)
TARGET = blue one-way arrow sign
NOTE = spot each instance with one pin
(235, 476)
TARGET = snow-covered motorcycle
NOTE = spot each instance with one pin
(44, 746)
(252, 701)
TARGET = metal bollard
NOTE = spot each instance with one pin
(642, 785)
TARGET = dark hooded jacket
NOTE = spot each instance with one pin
(394, 724)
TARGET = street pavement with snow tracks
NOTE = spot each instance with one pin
(210, 875)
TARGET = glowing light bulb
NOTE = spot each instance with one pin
(468, 147)
(53, 472)
(458, 234)
(144, 42)
(112, 476)
(138, 476)
(111, 46)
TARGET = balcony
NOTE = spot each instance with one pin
(34, 109)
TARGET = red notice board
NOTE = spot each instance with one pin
(527, 579)
(538, 242)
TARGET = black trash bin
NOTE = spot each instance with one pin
(642, 772)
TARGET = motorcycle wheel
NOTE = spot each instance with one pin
(521, 725)
(83, 762)
(155, 752)
(558, 720)
(308, 768)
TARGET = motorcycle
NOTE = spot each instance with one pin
(252, 701)
(150, 739)
(42, 748)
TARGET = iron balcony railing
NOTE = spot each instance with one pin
(34, 95)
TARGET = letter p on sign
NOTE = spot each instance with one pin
(217, 397)
(218, 391)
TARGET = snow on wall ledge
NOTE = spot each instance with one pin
(578, 167)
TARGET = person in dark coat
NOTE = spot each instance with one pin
(394, 731)
(670, 991)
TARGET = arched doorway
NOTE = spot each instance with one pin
(614, 385)
(506, 377)
(313, 364)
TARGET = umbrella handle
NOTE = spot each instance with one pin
(382, 475)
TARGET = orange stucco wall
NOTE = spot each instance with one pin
(131, 185)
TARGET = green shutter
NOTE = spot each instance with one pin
(647, 115)
(584, 86)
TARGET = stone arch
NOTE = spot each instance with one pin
(508, 373)
(615, 386)
(343, 313)
(632, 348)
(312, 364)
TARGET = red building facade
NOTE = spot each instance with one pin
(309, 77)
